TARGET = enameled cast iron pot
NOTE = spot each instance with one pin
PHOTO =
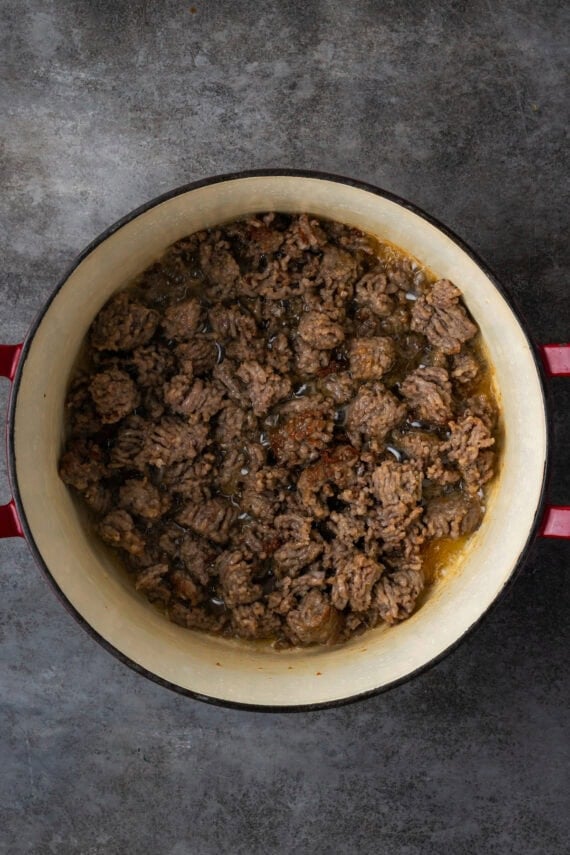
(99, 593)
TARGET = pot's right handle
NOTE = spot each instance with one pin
(556, 519)
(10, 525)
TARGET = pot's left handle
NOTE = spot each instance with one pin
(556, 519)
(10, 525)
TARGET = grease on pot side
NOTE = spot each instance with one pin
(285, 427)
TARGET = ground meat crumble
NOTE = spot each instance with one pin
(272, 423)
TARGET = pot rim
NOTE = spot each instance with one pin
(118, 224)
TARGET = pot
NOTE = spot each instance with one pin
(228, 671)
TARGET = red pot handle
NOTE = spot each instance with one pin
(556, 522)
(556, 359)
(10, 525)
(556, 519)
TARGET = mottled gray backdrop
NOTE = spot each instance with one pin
(462, 107)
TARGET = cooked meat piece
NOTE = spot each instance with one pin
(441, 472)
(333, 297)
(114, 394)
(232, 471)
(465, 367)
(263, 239)
(397, 525)
(129, 442)
(263, 505)
(428, 393)
(303, 234)
(254, 621)
(373, 291)
(232, 423)
(186, 588)
(298, 548)
(398, 323)
(394, 483)
(401, 274)
(237, 465)
(341, 387)
(337, 265)
(213, 519)
(118, 529)
(441, 317)
(317, 330)
(366, 323)
(182, 320)
(467, 437)
(306, 427)
(81, 415)
(264, 492)
(257, 537)
(482, 408)
(287, 591)
(264, 387)
(225, 375)
(269, 478)
(417, 444)
(153, 404)
(427, 450)
(292, 556)
(315, 621)
(83, 464)
(197, 356)
(191, 478)
(370, 358)
(171, 440)
(153, 363)
(186, 397)
(350, 528)
(479, 472)
(153, 583)
(242, 350)
(98, 498)
(220, 267)
(354, 581)
(434, 358)
(406, 553)
(398, 487)
(334, 467)
(236, 579)
(314, 492)
(197, 617)
(256, 455)
(452, 515)
(232, 322)
(395, 594)
(142, 498)
(309, 359)
(171, 535)
(372, 414)
(123, 324)
(197, 555)
(279, 355)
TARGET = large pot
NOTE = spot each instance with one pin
(101, 596)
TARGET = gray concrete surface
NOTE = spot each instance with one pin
(462, 108)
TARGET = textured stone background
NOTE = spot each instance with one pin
(460, 107)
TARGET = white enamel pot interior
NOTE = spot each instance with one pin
(100, 593)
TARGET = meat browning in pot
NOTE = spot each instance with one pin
(274, 422)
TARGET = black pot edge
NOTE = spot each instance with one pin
(12, 462)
